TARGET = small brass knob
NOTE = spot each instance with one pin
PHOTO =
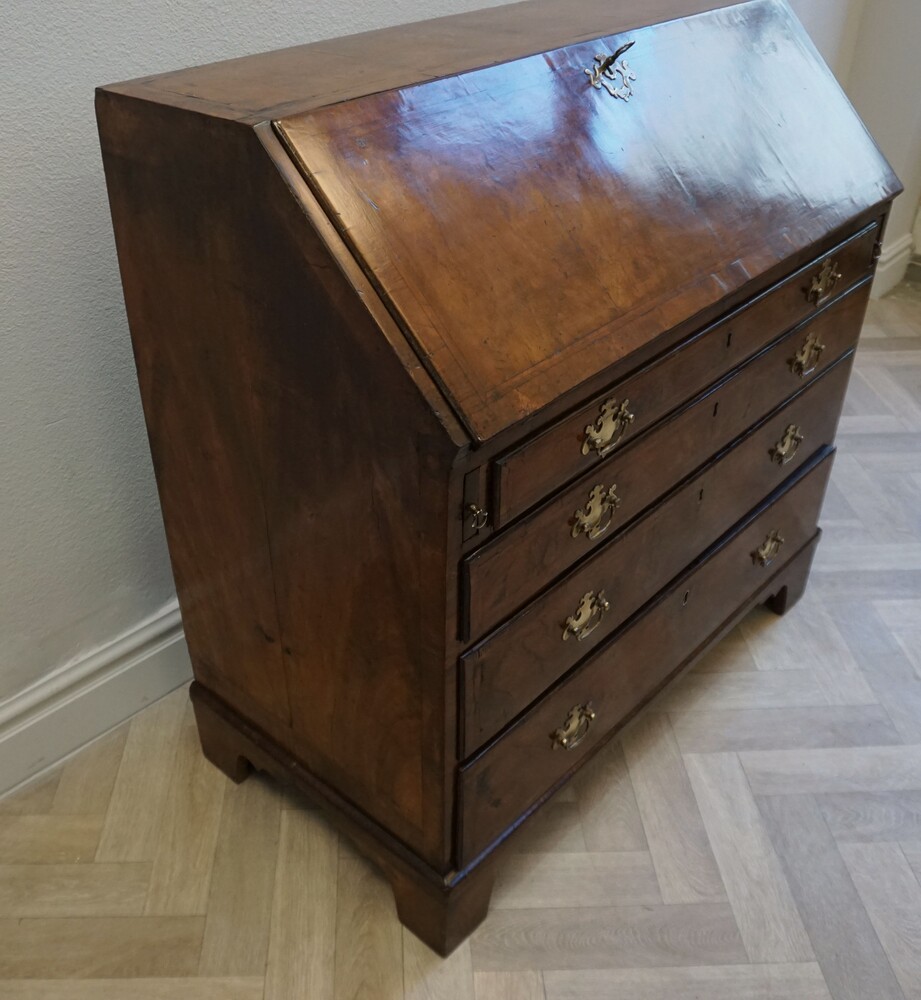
(479, 518)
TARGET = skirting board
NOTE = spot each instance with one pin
(89, 696)
(892, 265)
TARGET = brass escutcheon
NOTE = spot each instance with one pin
(785, 449)
(607, 71)
(824, 282)
(575, 729)
(605, 433)
(592, 608)
(768, 550)
(806, 359)
(596, 516)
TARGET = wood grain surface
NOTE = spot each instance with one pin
(844, 825)
(511, 774)
(333, 310)
(292, 79)
(505, 573)
(435, 190)
(521, 659)
(530, 471)
(285, 344)
(757, 888)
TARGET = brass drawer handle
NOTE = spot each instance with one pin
(479, 518)
(607, 71)
(806, 359)
(592, 608)
(768, 550)
(786, 448)
(575, 729)
(605, 433)
(823, 284)
(596, 516)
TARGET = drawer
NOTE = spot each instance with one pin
(507, 671)
(501, 576)
(504, 781)
(542, 465)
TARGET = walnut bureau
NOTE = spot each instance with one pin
(491, 367)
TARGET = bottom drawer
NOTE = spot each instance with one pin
(500, 784)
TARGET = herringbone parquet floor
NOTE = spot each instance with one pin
(756, 835)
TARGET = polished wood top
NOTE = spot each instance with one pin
(271, 84)
(529, 231)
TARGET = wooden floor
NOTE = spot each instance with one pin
(756, 835)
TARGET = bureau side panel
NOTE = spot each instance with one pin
(303, 473)
(360, 521)
(195, 358)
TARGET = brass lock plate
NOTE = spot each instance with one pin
(613, 73)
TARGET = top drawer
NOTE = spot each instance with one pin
(526, 475)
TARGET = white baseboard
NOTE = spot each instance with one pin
(89, 696)
(892, 265)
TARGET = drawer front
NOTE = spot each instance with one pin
(504, 574)
(504, 781)
(531, 472)
(516, 664)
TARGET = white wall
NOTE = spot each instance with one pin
(833, 25)
(81, 543)
(884, 85)
(873, 46)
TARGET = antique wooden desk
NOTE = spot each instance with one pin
(492, 371)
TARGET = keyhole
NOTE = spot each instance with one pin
(716, 409)
(687, 597)
(729, 339)
(700, 497)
